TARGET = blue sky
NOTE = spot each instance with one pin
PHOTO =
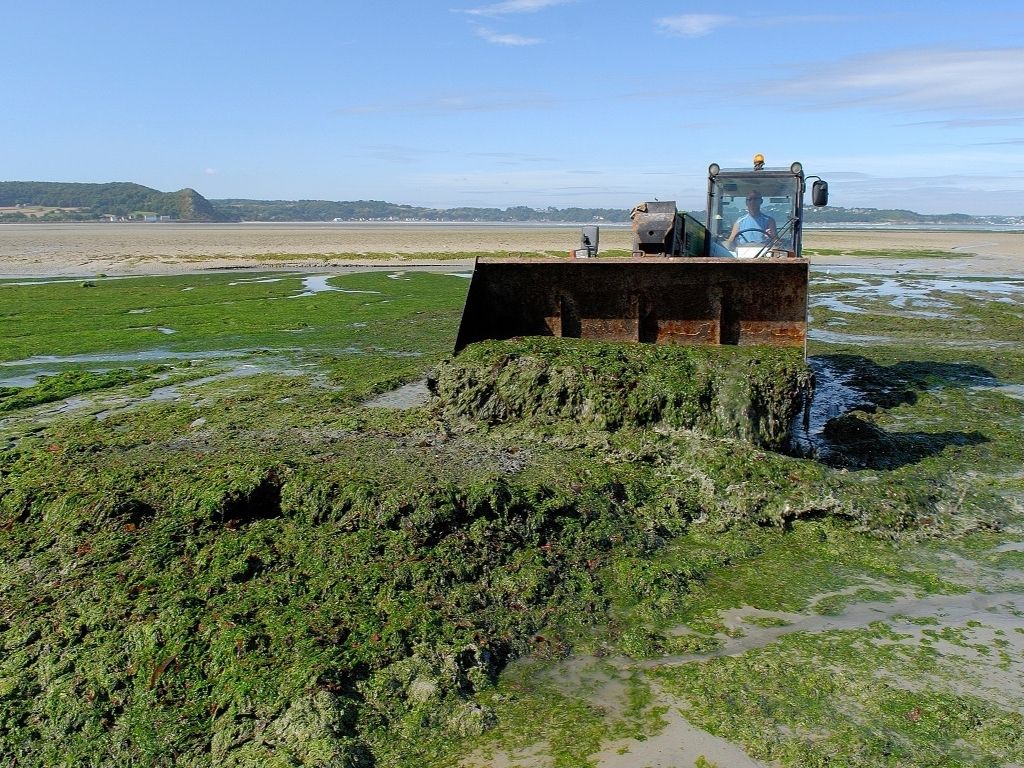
(519, 102)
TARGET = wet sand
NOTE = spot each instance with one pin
(168, 248)
(986, 617)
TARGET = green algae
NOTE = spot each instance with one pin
(321, 260)
(834, 605)
(566, 727)
(230, 312)
(876, 702)
(743, 392)
(399, 597)
(300, 580)
(59, 386)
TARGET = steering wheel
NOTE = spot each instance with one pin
(753, 229)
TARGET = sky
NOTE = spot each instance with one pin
(590, 103)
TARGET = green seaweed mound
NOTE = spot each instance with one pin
(749, 393)
(281, 615)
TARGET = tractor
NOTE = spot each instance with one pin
(738, 278)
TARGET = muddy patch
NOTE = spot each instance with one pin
(747, 628)
(680, 743)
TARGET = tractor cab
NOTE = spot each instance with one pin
(758, 213)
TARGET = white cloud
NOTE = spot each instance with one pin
(210, 171)
(958, 81)
(507, 39)
(694, 24)
(514, 6)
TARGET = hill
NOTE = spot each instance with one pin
(58, 201)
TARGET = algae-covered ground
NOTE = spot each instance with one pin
(214, 553)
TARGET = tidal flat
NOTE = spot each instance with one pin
(215, 553)
(76, 250)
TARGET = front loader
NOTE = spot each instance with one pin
(739, 278)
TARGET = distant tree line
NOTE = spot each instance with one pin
(833, 215)
(378, 210)
(90, 202)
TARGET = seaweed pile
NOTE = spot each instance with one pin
(747, 393)
(298, 581)
(244, 597)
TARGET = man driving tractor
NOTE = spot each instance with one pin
(754, 226)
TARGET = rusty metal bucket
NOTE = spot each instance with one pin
(640, 299)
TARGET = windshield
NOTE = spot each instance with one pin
(764, 207)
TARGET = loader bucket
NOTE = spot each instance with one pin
(655, 300)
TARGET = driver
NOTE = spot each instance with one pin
(753, 226)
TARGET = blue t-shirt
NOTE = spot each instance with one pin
(748, 222)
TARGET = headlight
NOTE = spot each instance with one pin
(713, 170)
(796, 169)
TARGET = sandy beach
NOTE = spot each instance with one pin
(168, 248)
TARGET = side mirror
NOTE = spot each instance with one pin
(819, 193)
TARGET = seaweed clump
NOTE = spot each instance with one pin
(748, 393)
(281, 614)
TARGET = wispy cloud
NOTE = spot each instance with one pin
(702, 24)
(506, 8)
(922, 162)
(505, 39)
(973, 122)
(953, 193)
(605, 186)
(694, 24)
(514, 6)
(924, 180)
(455, 103)
(396, 153)
(513, 157)
(959, 81)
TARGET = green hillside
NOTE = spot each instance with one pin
(88, 202)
